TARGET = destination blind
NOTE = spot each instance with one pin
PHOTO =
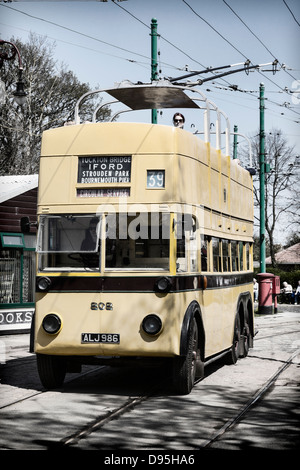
(104, 169)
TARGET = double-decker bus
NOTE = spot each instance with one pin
(144, 245)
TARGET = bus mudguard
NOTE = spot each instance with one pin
(193, 311)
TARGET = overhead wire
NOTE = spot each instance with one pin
(291, 13)
(255, 35)
(83, 47)
(215, 30)
(228, 42)
(75, 31)
(89, 37)
(262, 43)
(162, 37)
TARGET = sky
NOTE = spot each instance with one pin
(104, 43)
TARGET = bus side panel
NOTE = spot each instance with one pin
(219, 308)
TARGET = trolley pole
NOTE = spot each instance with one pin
(235, 142)
(262, 178)
(154, 61)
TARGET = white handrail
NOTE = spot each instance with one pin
(76, 112)
(250, 146)
(102, 106)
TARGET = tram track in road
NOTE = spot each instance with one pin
(102, 421)
(279, 334)
(112, 414)
(249, 404)
(70, 441)
(108, 415)
(132, 403)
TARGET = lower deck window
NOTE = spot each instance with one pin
(223, 255)
(134, 241)
(216, 254)
(69, 242)
(141, 241)
(74, 242)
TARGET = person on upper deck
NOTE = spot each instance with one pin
(178, 120)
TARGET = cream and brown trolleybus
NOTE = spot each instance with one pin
(144, 248)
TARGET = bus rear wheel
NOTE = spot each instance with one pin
(52, 370)
(245, 340)
(189, 368)
(234, 351)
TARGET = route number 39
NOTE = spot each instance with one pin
(155, 179)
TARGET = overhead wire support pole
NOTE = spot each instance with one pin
(154, 63)
(262, 239)
(235, 142)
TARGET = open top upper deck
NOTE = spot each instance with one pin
(162, 94)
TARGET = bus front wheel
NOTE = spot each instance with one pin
(190, 367)
(52, 370)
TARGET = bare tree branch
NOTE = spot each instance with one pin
(52, 92)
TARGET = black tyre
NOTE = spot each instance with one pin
(189, 368)
(245, 341)
(52, 370)
(234, 351)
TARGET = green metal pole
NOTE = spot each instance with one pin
(235, 129)
(262, 178)
(154, 63)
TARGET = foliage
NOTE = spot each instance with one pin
(291, 277)
(52, 92)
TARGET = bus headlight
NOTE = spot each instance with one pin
(43, 283)
(152, 324)
(163, 285)
(52, 323)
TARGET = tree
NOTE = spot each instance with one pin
(292, 240)
(280, 184)
(293, 209)
(52, 92)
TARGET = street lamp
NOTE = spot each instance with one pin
(19, 94)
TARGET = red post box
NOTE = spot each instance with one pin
(265, 293)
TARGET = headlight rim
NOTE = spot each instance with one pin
(47, 282)
(59, 325)
(161, 289)
(159, 325)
